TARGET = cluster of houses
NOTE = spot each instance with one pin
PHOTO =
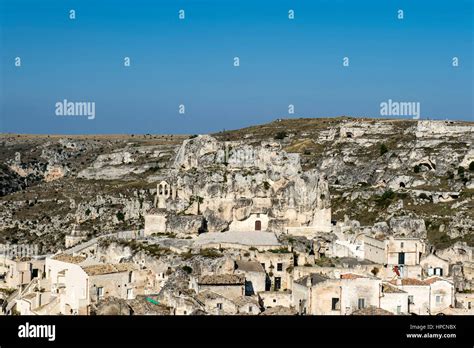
(259, 273)
(395, 277)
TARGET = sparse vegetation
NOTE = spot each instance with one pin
(187, 269)
(210, 253)
(280, 135)
(120, 216)
(383, 149)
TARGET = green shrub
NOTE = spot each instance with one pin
(187, 269)
(120, 216)
(389, 194)
(416, 168)
(383, 149)
(471, 166)
(281, 135)
(423, 196)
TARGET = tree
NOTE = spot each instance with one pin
(281, 135)
(383, 149)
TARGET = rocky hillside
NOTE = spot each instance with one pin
(387, 175)
(397, 174)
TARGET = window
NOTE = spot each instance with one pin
(335, 304)
(250, 309)
(263, 265)
(100, 291)
(361, 303)
(399, 309)
(277, 283)
(438, 299)
(274, 300)
(438, 271)
(469, 305)
(279, 267)
(130, 294)
(410, 299)
(401, 245)
(258, 225)
(130, 277)
(219, 306)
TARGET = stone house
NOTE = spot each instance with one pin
(401, 254)
(228, 285)
(254, 222)
(216, 304)
(465, 301)
(320, 295)
(276, 265)
(21, 271)
(79, 282)
(255, 276)
(247, 305)
(393, 299)
(269, 299)
(434, 265)
(430, 296)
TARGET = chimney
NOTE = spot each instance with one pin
(38, 299)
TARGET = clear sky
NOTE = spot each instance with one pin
(190, 62)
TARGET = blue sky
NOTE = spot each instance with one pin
(190, 62)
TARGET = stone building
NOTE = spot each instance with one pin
(430, 296)
(229, 285)
(401, 254)
(276, 265)
(255, 276)
(319, 295)
(434, 265)
(79, 282)
(21, 271)
(393, 299)
(216, 304)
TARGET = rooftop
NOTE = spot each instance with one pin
(250, 238)
(222, 279)
(371, 310)
(69, 258)
(249, 266)
(279, 310)
(412, 281)
(315, 279)
(389, 289)
(352, 276)
(108, 268)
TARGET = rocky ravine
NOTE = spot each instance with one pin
(387, 176)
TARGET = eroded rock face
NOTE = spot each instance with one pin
(229, 181)
(406, 226)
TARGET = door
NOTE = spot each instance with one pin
(258, 225)
(401, 258)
